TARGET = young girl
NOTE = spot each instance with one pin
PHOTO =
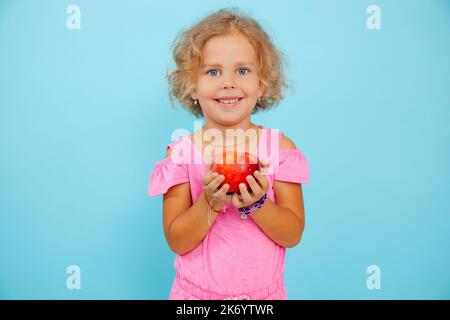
(228, 69)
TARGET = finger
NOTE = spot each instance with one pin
(256, 189)
(209, 176)
(222, 192)
(236, 202)
(245, 194)
(262, 180)
(214, 184)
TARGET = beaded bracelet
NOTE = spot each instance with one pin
(245, 211)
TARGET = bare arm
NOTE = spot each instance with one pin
(284, 221)
(186, 224)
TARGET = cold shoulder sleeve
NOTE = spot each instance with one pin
(167, 173)
(293, 166)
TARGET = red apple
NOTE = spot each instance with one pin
(235, 166)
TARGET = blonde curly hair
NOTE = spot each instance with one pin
(188, 45)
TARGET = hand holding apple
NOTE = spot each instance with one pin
(259, 185)
(235, 167)
(215, 189)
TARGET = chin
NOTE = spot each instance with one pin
(230, 119)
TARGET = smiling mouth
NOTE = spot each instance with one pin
(228, 104)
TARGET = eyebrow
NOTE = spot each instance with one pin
(219, 65)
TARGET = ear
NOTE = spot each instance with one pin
(194, 94)
(262, 89)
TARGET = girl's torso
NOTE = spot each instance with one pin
(235, 256)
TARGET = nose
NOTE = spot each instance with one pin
(228, 82)
(228, 85)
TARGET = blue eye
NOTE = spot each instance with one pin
(243, 69)
(215, 72)
(208, 72)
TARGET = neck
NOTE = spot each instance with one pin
(244, 125)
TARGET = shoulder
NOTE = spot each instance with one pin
(180, 142)
(286, 143)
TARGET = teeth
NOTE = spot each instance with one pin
(229, 101)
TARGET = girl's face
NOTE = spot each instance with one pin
(228, 71)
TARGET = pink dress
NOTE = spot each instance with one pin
(235, 260)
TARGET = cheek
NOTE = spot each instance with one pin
(204, 89)
(250, 87)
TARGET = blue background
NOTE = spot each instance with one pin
(85, 114)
